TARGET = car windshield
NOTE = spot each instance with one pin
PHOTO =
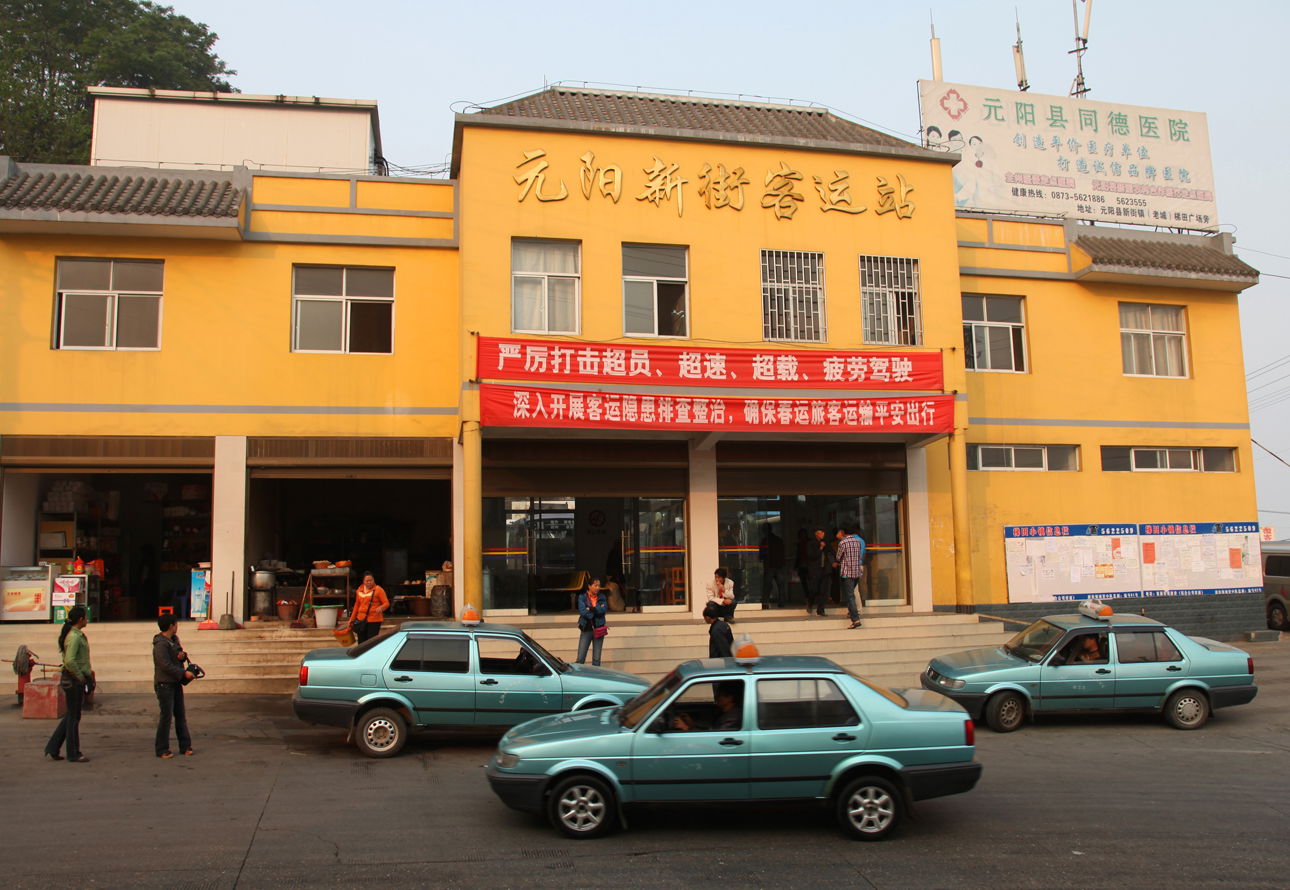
(640, 707)
(554, 660)
(1035, 641)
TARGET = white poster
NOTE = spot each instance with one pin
(1076, 158)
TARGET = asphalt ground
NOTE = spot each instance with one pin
(269, 802)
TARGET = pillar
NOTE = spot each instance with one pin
(471, 532)
(959, 504)
(919, 546)
(228, 528)
(701, 524)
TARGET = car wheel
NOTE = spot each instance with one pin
(1187, 709)
(581, 807)
(869, 808)
(1005, 712)
(1277, 616)
(380, 732)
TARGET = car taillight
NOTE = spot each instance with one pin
(1249, 665)
(969, 732)
(304, 675)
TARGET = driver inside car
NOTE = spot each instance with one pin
(729, 715)
(1086, 649)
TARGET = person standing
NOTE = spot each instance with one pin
(721, 591)
(819, 572)
(721, 639)
(168, 678)
(593, 603)
(370, 603)
(76, 676)
(850, 561)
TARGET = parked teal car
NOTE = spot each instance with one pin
(440, 675)
(785, 728)
(1119, 663)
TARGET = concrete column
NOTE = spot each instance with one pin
(18, 519)
(701, 525)
(919, 546)
(959, 504)
(228, 528)
(471, 532)
(458, 523)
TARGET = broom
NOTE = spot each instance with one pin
(226, 621)
(209, 623)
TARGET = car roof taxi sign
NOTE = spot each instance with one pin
(470, 616)
(1095, 609)
(746, 651)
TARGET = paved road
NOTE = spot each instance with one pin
(269, 802)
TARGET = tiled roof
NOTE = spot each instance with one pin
(1164, 255)
(711, 116)
(105, 191)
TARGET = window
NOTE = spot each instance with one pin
(889, 300)
(1023, 457)
(108, 304)
(993, 333)
(1124, 458)
(1153, 340)
(544, 287)
(792, 295)
(1277, 566)
(707, 707)
(654, 291)
(502, 655)
(343, 309)
(801, 704)
(1137, 648)
(441, 655)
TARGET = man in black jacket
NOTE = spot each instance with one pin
(168, 677)
(720, 637)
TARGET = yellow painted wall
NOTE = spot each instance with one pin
(226, 341)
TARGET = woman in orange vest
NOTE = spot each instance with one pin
(370, 603)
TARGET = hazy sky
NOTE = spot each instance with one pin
(423, 60)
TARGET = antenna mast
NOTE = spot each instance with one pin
(936, 54)
(1019, 60)
(1079, 87)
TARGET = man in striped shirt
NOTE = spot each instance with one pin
(850, 561)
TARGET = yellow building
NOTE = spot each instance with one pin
(634, 335)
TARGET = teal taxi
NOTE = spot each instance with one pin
(1095, 660)
(716, 730)
(442, 675)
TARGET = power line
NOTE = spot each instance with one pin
(1263, 369)
(1270, 451)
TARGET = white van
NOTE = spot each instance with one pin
(1276, 583)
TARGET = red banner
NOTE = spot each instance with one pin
(502, 405)
(567, 362)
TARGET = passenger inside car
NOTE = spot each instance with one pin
(1086, 649)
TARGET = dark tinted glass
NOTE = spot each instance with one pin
(1277, 566)
(137, 322)
(973, 308)
(370, 327)
(653, 261)
(1004, 309)
(671, 309)
(446, 655)
(85, 319)
(323, 281)
(1115, 457)
(369, 282)
(409, 657)
(135, 275)
(84, 274)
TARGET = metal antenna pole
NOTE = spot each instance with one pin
(1079, 87)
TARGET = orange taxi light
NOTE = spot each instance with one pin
(470, 615)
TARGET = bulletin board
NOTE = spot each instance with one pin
(1074, 562)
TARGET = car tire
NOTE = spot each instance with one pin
(1005, 712)
(582, 807)
(1187, 709)
(869, 808)
(1277, 619)
(380, 732)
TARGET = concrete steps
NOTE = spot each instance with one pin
(892, 648)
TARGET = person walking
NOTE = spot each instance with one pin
(850, 561)
(593, 603)
(76, 676)
(819, 572)
(370, 603)
(168, 678)
(721, 639)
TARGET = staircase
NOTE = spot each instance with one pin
(891, 649)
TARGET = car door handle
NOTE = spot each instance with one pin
(1173, 667)
(844, 737)
(730, 743)
(402, 679)
(1102, 671)
(489, 682)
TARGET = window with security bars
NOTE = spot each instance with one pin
(792, 295)
(889, 300)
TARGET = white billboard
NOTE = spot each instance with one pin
(1069, 157)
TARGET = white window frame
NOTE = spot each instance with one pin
(1153, 333)
(111, 310)
(977, 446)
(1011, 327)
(793, 305)
(1198, 463)
(654, 280)
(545, 278)
(885, 283)
(344, 299)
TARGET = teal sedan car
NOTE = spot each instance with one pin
(783, 729)
(1115, 663)
(441, 675)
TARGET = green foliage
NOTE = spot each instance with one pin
(51, 50)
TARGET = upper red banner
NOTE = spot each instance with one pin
(551, 361)
(502, 405)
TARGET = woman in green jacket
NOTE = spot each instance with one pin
(76, 673)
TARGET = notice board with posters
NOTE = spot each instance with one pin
(1075, 562)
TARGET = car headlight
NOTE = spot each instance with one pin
(951, 683)
(508, 761)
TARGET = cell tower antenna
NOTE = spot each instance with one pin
(1079, 87)
(936, 51)
(1019, 59)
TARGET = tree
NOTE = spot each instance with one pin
(52, 50)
